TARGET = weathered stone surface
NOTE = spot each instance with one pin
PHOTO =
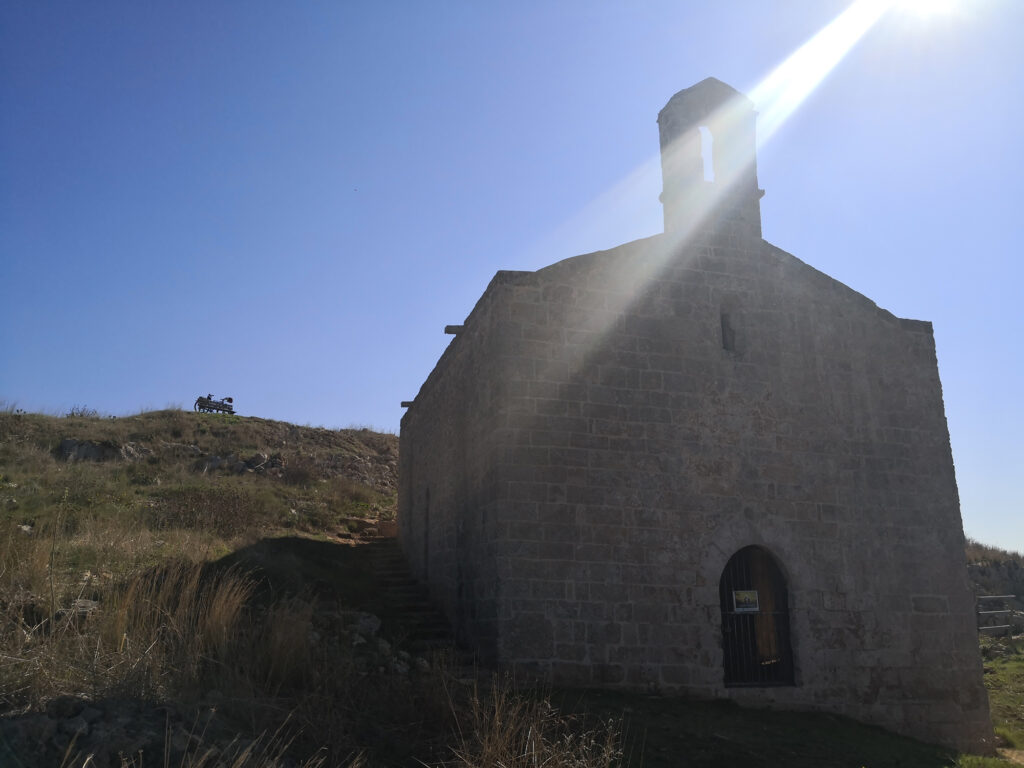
(606, 433)
(134, 452)
(71, 449)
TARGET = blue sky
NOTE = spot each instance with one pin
(286, 202)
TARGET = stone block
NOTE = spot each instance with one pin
(675, 675)
(607, 633)
(547, 590)
(571, 673)
(609, 674)
(570, 652)
(553, 550)
(930, 603)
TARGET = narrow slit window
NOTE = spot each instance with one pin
(728, 333)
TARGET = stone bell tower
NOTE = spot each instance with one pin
(709, 161)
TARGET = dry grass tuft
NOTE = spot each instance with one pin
(151, 635)
(516, 731)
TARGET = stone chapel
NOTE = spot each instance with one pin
(695, 464)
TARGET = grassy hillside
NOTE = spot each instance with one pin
(995, 571)
(165, 465)
(206, 590)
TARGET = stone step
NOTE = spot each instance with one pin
(421, 619)
(394, 587)
(427, 630)
(414, 607)
(394, 574)
(417, 589)
(414, 631)
(408, 584)
(395, 556)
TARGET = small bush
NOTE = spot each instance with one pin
(344, 495)
(82, 412)
(139, 474)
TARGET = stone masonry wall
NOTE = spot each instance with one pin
(607, 432)
(448, 491)
(640, 454)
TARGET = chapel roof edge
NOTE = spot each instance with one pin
(708, 90)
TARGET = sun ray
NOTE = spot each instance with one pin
(786, 87)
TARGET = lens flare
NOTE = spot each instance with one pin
(779, 94)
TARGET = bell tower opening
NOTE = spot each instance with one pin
(707, 152)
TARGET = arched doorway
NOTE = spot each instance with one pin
(755, 621)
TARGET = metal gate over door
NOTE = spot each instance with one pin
(756, 649)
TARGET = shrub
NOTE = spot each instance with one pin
(82, 412)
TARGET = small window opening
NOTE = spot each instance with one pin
(707, 152)
(728, 334)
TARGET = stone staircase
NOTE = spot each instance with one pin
(417, 623)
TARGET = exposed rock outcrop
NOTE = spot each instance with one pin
(72, 449)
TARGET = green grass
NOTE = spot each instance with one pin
(1004, 678)
(309, 487)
